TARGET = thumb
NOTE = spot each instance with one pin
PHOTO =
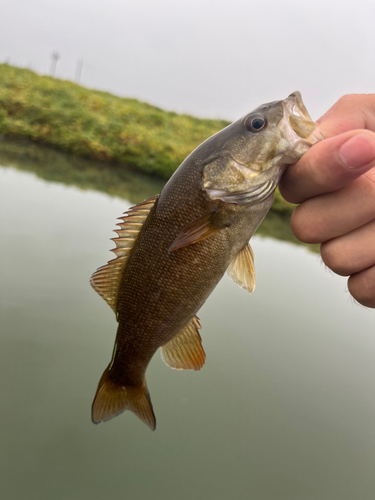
(329, 165)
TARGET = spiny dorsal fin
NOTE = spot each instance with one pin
(106, 280)
(241, 269)
(185, 351)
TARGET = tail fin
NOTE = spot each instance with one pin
(112, 399)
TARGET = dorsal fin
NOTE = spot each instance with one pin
(241, 269)
(106, 280)
(185, 351)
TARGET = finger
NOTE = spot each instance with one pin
(329, 165)
(351, 253)
(353, 111)
(362, 287)
(330, 215)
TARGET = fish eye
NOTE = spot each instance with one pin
(255, 122)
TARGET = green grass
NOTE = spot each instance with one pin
(100, 126)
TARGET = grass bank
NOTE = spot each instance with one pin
(99, 125)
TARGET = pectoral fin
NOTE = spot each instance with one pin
(241, 269)
(185, 351)
(200, 229)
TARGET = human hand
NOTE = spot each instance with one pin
(334, 182)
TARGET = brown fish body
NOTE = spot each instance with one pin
(162, 290)
(188, 240)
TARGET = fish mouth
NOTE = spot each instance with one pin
(296, 133)
(301, 131)
(296, 107)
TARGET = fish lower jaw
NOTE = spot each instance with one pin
(298, 127)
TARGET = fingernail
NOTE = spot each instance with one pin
(357, 151)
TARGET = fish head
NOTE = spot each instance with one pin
(257, 148)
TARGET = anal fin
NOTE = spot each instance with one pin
(185, 351)
(241, 269)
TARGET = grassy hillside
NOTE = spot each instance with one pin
(98, 125)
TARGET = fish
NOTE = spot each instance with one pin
(173, 248)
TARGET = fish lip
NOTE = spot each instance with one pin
(296, 113)
(295, 106)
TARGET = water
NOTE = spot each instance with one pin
(283, 410)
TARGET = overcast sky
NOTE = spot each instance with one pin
(203, 57)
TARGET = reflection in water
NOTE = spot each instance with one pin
(284, 408)
(116, 180)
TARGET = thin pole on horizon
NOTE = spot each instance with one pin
(79, 70)
(55, 56)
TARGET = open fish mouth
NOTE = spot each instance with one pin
(296, 106)
(300, 128)
(250, 178)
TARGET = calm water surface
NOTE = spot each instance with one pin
(283, 410)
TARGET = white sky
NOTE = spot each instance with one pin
(204, 57)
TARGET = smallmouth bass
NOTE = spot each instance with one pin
(173, 249)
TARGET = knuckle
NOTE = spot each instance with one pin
(336, 257)
(304, 225)
(347, 98)
(362, 287)
(361, 104)
(287, 192)
(362, 191)
(312, 161)
(318, 175)
(322, 167)
(368, 180)
(352, 99)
